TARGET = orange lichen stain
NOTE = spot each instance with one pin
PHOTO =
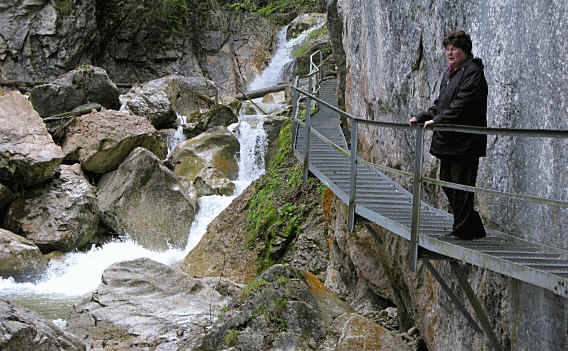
(364, 334)
(327, 200)
(321, 292)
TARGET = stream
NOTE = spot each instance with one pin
(77, 273)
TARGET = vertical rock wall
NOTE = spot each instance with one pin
(394, 60)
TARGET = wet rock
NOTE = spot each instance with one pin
(28, 155)
(216, 116)
(273, 125)
(22, 329)
(303, 22)
(159, 100)
(143, 304)
(19, 257)
(102, 140)
(146, 201)
(63, 215)
(222, 251)
(86, 84)
(211, 181)
(215, 148)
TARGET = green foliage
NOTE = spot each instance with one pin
(312, 37)
(170, 14)
(64, 7)
(232, 338)
(252, 287)
(267, 8)
(275, 314)
(275, 215)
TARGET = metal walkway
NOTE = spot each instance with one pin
(384, 202)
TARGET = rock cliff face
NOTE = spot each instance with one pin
(394, 60)
(133, 41)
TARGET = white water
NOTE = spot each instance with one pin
(78, 273)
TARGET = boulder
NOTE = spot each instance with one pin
(159, 100)
(142, 304)
(218, 115)
(83, 85)
(273, 125)
(215, 148)
(287, 309)
(61, 216)
(19, 257)
(28, 155)
(210, 181)
(102, 140)
(360, 333)
(25, 330)
(302, 23)
(146, 201)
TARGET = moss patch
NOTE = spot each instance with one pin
(280, 206)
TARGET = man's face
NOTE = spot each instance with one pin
(455, 56)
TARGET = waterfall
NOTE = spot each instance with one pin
(78, 273)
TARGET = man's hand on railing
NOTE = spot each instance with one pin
(428, 123)
(414, 119)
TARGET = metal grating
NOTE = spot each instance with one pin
(386, 203)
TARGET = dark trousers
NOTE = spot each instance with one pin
(467, 222)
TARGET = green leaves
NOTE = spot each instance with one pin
(263, 8)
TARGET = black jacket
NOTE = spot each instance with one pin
(462, 100)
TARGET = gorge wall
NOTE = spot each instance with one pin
(394, 60)
(133, 41)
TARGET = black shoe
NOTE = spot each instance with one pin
(456, 236)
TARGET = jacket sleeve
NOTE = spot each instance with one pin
(469, 90)
(428, 114)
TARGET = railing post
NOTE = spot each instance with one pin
(295, 96)
(353, 173)
(321, 66)
(416, 198)
(307, 132)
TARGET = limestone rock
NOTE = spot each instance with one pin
(282, 307)
(61, 216)
(159, 100)
(23, 330)
(19, 257)
(28, 154)
(146, 201)
(273, 125)
(86, 84)
(42, 39)
(211, 181)
(215, 148)
(143, 303)
(6, 197)
(216, 116)
(303, 22)
(222, 251)
(102, 140)
(394, 71)
(359, 333)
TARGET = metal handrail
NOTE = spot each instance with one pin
(458, 128)
(417, 175)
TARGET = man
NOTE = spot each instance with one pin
(462, 100)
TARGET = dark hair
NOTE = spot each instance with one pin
(460, 40)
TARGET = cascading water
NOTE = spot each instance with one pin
(78, 273)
